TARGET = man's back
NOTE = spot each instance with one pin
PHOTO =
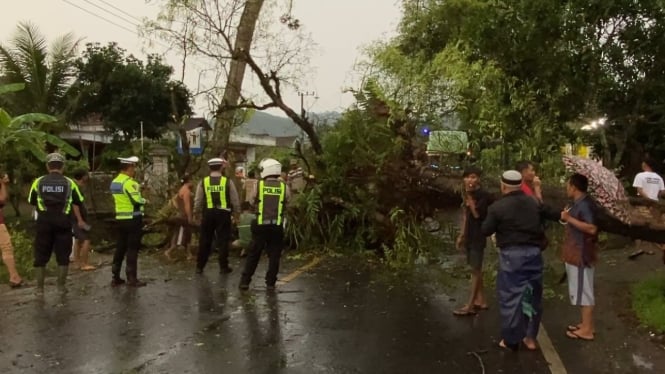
(516, 220)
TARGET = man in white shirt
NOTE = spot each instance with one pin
(648, 183)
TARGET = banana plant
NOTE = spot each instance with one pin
(18, 134)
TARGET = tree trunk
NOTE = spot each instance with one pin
(243, 42)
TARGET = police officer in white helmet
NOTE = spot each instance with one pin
(271, 196)
(217, 201)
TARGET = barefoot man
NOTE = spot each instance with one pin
(472, 240)
(516, 220)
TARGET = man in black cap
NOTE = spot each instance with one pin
(472, 240)
(217, 201)
(517, 221)
(54, 196)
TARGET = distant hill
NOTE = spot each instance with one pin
(263, 123)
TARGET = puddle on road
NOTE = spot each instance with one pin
(641, 362)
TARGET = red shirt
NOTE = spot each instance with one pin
(527, 190)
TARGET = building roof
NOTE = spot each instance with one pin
(196, 122)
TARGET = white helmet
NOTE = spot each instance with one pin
(269, 166)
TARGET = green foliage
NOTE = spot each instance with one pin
(649, 302)
(22, 242)
(19, 134)
(409, 240)
(525, 74)
(45, 71)
(126, 91)
(364, 197)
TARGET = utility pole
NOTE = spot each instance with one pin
(303, 114)
(302, 101)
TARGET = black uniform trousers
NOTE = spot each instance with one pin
(269, 238)
(129, 234)
(215, 229)
(54, 234)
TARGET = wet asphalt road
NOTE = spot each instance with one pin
(333, 319)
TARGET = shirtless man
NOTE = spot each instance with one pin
(183, 201)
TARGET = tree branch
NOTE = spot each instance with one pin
(273, 92)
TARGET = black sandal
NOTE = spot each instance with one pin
(15, 285)
(465, 311)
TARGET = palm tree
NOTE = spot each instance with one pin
(45, 72)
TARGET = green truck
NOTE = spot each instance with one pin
(448, 150)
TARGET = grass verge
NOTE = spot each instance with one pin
(649, 302)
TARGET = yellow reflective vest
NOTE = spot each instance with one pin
(127, 197)
(215, 193)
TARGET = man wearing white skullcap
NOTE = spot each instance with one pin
(516, 219)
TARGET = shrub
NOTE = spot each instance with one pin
(23, 254)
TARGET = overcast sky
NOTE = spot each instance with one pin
(340, 28)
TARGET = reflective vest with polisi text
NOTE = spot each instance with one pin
(54, 193)
(271, 196)
(126, 197)
(215, 192)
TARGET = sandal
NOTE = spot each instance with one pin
(15, 285)
(574, 328)
(573, 335)
(465, 311)
(481, 307)
(88, 268)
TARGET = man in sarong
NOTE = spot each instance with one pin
(516, 220)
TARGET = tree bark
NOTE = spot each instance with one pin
(232, 90)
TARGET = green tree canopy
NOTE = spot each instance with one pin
(125, 91)
(527, 72)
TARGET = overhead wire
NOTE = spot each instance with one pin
(135, 32)
(99, 16)
(119, 10)
(110, 12)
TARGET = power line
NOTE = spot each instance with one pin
(111, 13)
(135, 32)
(119, 10)
(100, 17)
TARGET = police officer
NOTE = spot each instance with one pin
(54, 196)
(129, 217)
(268, 231)
(217, 201)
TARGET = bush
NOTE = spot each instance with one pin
(649, 302)
(23, 254)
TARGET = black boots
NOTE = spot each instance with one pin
(40, 275)
(116, 280)
(62, 279)
(133, 281)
